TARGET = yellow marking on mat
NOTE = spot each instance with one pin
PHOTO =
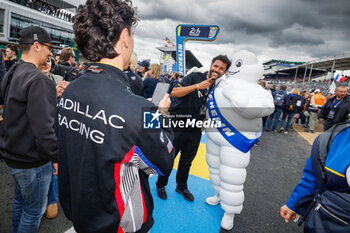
(199, 165)
(337, 173)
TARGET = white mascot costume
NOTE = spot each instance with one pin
(239, 103)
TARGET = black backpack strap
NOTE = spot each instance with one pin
(319, 170)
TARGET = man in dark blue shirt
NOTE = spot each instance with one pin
(191, 95)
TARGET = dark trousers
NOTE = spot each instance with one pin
(264, 119)
(187, 143)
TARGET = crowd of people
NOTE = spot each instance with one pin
(46, 8)
(307, 107)
(83, 125)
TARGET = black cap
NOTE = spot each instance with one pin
(31, 34)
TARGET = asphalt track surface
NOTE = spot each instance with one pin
(275, 168)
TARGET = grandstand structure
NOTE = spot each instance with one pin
(277, 71)
(49, 14)
(318, 73)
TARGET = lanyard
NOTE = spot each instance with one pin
(335, 106)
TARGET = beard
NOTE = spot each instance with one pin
(216, 74)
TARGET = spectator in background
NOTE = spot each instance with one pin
(76, 65)
(273, 89)
(67, 57)
(336, 109)
(64, 68)
(57, 57)
(300, 109)
(57, 79)
(150, 80)
(180, 77)
(143, 68)
(46, 70)
(305, 116)
(316, 102)
(173, 81)
(52, 209)
(263, 84)
(135, 80)
(278, 98)
(293, 103)
(11, 54)
(164, 78)
(83, 68)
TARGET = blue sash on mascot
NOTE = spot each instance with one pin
(233, 136)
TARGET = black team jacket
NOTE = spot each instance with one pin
(65, 70)
(105, 155)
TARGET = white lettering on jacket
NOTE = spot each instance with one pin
(82, 128)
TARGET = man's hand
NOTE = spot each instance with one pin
(287, 213)
(56, 167)
(323, 121)
(61, 87)
(164, 104)
(145, 75)
(205, 84)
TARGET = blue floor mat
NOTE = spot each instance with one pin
(176, 215)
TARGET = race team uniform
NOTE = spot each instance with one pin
(106, 155)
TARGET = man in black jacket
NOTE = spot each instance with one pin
(105, 154)
(191, 93)
(64, 68)
(11, 54)
(336, 109)
(27, 138)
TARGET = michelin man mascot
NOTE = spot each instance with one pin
(239, 103)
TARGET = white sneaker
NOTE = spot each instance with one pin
(227, 221)
(214, 200)
(286, 132)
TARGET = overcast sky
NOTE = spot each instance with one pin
(295, 30)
